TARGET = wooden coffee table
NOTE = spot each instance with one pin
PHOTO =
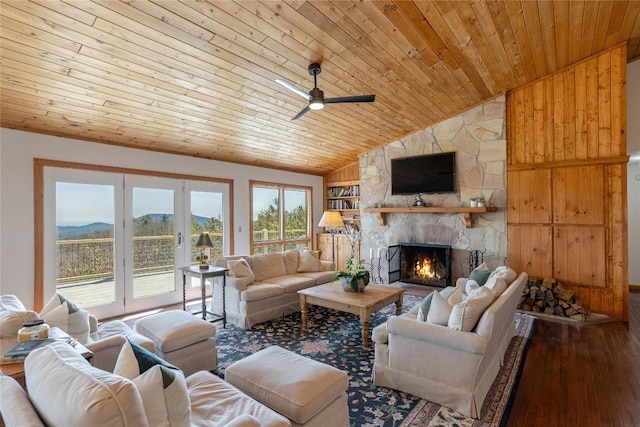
(331, 295)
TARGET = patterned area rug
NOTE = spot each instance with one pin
(334, 338)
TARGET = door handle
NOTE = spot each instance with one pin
(179, 240)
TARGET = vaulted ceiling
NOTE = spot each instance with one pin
(198, 78)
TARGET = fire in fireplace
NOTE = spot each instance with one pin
(425, 264)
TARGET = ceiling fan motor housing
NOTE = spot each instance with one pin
(316, 102)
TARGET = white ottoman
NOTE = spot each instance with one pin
(308, 392)
(181, 339)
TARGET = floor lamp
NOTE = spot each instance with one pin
(332, 221)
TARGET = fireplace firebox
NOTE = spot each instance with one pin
(424, 264)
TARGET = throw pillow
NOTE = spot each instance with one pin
(498, 286)
(471, 286)
(465, 315)
(439, 310)
(162, 386)
(505, 273)
(424, 307)
(67, 316)
(240, 268)
(308, 262)
(480, 276)
(12, 315)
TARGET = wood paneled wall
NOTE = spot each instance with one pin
(566, 147)
(348, 173)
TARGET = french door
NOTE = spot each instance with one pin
(113, 241)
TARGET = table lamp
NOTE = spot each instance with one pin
(333, 221)
(204, 241)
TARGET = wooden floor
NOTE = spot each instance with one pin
(581, 375)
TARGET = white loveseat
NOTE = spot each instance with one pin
(273, 292)
(63, 389)
(444, 365)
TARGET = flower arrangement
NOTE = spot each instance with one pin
(355, 278)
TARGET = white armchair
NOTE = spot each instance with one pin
(443, 365)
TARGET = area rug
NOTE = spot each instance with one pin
(334, 338)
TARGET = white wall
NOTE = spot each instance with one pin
(633, 170)
(18, 149)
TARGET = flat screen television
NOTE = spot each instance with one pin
(427, 174)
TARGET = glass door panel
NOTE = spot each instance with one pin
(152, 241)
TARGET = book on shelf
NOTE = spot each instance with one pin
(21, 350)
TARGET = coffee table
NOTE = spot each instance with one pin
(16, 370)
(372, 299)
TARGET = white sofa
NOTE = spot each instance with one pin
(444, 365)
(63, 389)
(273, 293)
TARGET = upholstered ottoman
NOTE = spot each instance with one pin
(308, 392)
(181, 339)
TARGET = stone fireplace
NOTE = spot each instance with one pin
(477, 137)
(423, 264)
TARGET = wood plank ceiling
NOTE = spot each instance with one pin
(198, 78)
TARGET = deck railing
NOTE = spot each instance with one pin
(81, 260)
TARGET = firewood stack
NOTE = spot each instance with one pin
(550, 297)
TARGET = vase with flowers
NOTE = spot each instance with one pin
(355, 278)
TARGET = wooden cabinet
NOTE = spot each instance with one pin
(556, 223)
(339, 246)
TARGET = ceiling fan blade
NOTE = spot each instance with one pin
(360, 98)
(293, 88)
(301, 113)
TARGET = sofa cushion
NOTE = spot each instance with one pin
(439, 310)
(228, 403)
(67, 316)
(308, 262)
(292, 284)
(471, 286)
(258, 291)
(161, 385)
(423, 311)
(267, 266)
(291, 259)
(505, 273)
(465, 314)
(12, 315)
(241, 269)
(59, 378)
(319, 277)
(498, 286)
(480, 276)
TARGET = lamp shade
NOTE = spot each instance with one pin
(204, 241)
(331, 220)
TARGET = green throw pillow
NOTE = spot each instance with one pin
(425, 306)
(480, 276)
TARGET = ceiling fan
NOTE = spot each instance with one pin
(316, 96)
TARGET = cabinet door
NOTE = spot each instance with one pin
(580, 255)
(324, 245)
(344, 251)
(529, 195)
(530, 249)
(578, 195)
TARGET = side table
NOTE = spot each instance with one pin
(203, 274)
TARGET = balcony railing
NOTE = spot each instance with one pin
(82, 260)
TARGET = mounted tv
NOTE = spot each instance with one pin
(427, 174)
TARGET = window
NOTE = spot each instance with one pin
(281, 217)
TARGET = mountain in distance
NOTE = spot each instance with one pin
(72, 231)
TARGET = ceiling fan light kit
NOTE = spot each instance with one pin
(316, 96)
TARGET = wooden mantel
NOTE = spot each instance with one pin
(466, 211)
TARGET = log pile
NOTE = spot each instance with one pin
(551, 297)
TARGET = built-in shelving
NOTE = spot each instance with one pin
(465, 211)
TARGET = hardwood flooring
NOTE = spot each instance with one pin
(581, 375)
